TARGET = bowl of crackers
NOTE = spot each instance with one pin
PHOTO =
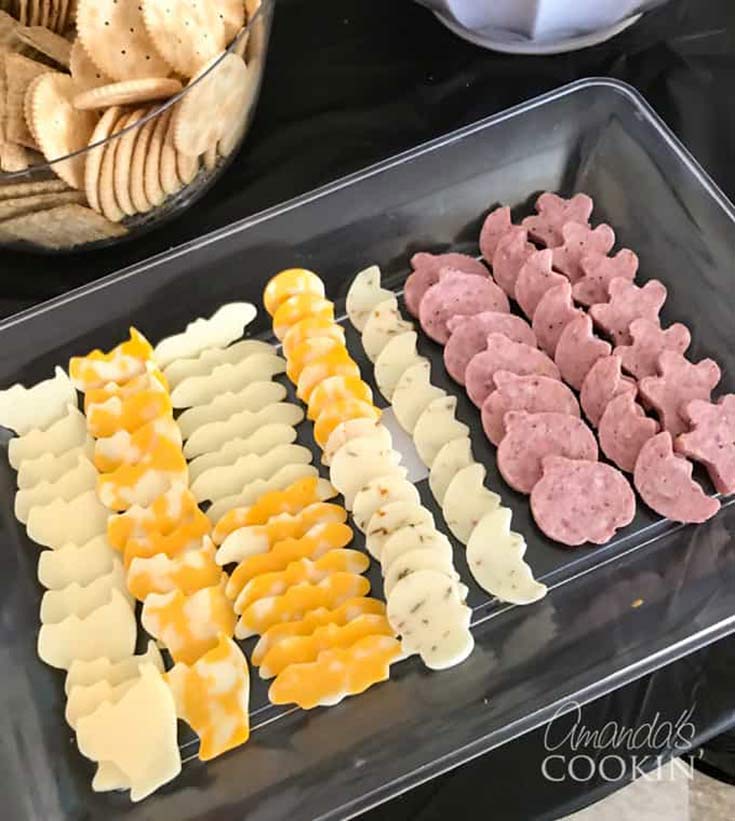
(117, 114)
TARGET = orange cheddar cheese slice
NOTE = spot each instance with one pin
(127, 413)
(128, 448)
(335, 388)
(311, 326)
(336, 673)
(212, 696)
(153, 379)
(309, 350)
(288, 283)
(336, 362)
(122, 363)
(189, 571)
(342, 410)
(172, 543)
(298, 307)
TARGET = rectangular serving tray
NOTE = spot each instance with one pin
(657, 592)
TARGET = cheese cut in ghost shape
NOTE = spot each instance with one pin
(408, 539)
(122, 363)
(467, 500)
(395, 358)
(298, 600)
(383, 324)
(391, 517)
(305, 649)
(81, 600)
(78, 520)
(49, 467)
(288, 283)
(212, 696)
(336, 362)
(334, 389)
(311, 326)
(211, 358)
(360, 460)
(219, 482)
(71, 563)
(137, 734)
(190, 625)
(214, 435)
(342, 410)
(128, 448)
(336, 673)
(378, 492)
(413, 393)
(307, 351)
(495, 557)
(187, 535)
(225, 325)
(67, 432)
(24, 410)
(82, 477)
(108, 631)
(364, 294)
(201, 390)
(109, 777)
(86, 673)
(83, 701)
(260, 442)
(297, 572)
(127, 413)
(254, 539)
(189, 571)
(355, 429)
(436, 426)
(298, 307)
(451, 458)
(411, 561)
(251, 398)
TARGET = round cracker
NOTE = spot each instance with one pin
(168, 171)
(212, 105)
(127, 92)
(232, 14)
(67, 9)
(108, 201)
(84, 72)
(210, 157)
(137, 169)
(123, 162)
(152, 174)
(94, 155)
(187, 167)
(59, 127)
(240, 121)
(45, 13)
(27, 111)
(187, 33)
(115, 37)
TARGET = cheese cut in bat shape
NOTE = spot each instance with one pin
(334, 389)
(383, 324)
(211, 358)
(305, 649)
(300, 571)
(219, 482)
(298, 600)
(341, 411)
(259, 443)
(495, 557)
(81, 600)
(82, 477)
(251, 398)
(187, 535)
(391, 517)
(336, 674)
(425, 609)
(355, 429)
(214, 435)
(397, 355)
(467, 500)
(136, 734)
(451, 458)
(85, 673)
(254, 539)
(408, 539)
(309, 327)
(378, 492)
(83, 701)
(364, 294)
(336, 362)
(413, 393)
(127, 413)
(126, 448)
(24, 410)
(298, 307)
(66, 433)
(49, 467)
(350, 610)
(212, 696)
(290, 500)
(122, 363)
(218, 331)
(288, 283)
(69, 563)
(436, 426)
(414, 560)
(60, 521)
(307, 351)
(318, 540)
(190, 571)
(201, 390)
(189, 625)
(108, 631)
(360, 460)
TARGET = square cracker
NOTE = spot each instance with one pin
(64, 227)
(17, 206)
(8, 26)
(20, 73)
(46, 42)
(28, 189)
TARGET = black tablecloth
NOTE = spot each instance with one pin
(350, 82)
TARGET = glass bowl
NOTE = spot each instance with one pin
(144, 148)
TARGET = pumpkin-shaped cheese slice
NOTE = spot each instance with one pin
(309, 350)
(342, 410)
(311, 326)
(334, 389)
(288, 283)
(298, 307)
(336, 362)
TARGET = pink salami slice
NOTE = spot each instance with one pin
(599, 271)
(458, 294)
(579, 501)
(469, 336)
(578, 349)
(680, 382)
(553, 213)
(512, 250)
(426, 268)
(534, 394)
(711, 440)
(603, 382)
(534, 279)
(664, 480)
(627, 303)
(640, 358)
(496, 225)
(502, 354)
(624, 429)
(530, 437)
(553, 313)
(581, 241)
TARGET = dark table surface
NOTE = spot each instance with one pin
(351, 82)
